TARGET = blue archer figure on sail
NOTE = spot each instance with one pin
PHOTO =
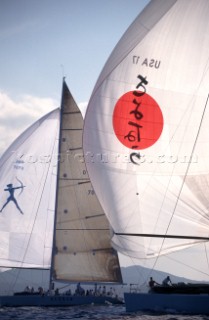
(11, 197)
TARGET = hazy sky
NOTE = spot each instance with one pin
(42, 40)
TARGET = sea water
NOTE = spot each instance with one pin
(87, 312)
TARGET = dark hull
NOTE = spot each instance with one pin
(183, 289)
(182, 299)
(56, 300)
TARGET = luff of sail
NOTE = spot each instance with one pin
(83, 251)
(147, 120)
(27, 184)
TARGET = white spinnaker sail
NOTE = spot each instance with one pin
(27, 184)
(146, 129)
(83, 251)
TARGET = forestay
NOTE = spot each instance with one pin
(146, 137)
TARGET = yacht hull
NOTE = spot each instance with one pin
(56, 300)
(169, 303)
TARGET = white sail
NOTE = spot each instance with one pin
(146, 130)
(83, 251)
(27, 187)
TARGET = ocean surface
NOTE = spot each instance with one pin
(87, 312)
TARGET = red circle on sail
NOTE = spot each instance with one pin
(137, 120)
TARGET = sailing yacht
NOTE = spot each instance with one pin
(146, 129)
(50, 217)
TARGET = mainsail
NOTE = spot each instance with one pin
(27, 184)
(146, 131)
(83, 251)
(70, 236)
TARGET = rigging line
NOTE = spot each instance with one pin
(148, 235)
(181, 263)
(206, 254)
(192, 149)
(186, 172)
(187, 265)
(189, 163)
(205, 72)
(170, 181)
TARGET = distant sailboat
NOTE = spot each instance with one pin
(147, 139)
(69, 236)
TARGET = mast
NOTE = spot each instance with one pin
(57, 186)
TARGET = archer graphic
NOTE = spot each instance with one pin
(11, 197)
